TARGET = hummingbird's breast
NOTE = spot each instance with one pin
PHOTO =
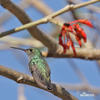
(41, 64)
(40, 70)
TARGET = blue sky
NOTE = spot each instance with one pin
(61, 70)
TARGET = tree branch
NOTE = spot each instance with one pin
(82, 53)
(26, 79)
(24, 18)
(7, 15)
(15, 41)
(82, 87)
(41, 21)
(90, 7)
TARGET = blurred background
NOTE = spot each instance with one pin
(80, 77)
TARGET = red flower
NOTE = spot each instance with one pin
(80, 34)
(73, 27)
(83, 21)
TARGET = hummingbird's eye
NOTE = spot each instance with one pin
(30, 50)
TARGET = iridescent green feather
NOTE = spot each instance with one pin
(39, 68)
(42, 66)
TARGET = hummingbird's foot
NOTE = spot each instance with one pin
(50, 87)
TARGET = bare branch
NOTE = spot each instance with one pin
(82, 87)
(7, 15)
(24, 18)
(21, 95)
(40, 6)
(26, 79)
(82, 53)
(43, 20)
(90, 7)
(14, 41)
(46, 19)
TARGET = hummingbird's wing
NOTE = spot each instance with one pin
(40, 76)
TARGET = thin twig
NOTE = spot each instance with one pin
(90, 7)
(48, 18)
(82, 87)
(21, 95)
(40, 6)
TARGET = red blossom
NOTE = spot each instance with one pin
(80, 32)
(83, 21)
(74, 28)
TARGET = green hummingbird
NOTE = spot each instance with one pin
(38, 67)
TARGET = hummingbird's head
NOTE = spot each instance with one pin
(30, 52)
(33, 51)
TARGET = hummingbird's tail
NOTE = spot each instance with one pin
(42, 83)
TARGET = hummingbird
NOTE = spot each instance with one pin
(38, 67)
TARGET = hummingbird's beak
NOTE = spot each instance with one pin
(19, 48)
